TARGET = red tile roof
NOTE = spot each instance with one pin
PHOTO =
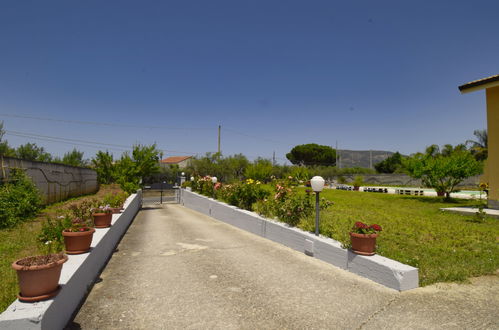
(174, 159)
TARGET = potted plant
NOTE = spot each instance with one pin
(357, 182)
(39, 276)
(78, 234)
(363, 238)
(102, 216)
(115, 201)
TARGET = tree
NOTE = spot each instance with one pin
(390, 165)
(226, 169)
(146, 159)
(126, 174)
(74, 158)
(103, 164)
(443, 170)
(5, 149)
(30, 151)
(479, 148)
(131, 169)
(261, 170)
(312, 154)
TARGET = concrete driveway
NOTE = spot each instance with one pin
(178, 269)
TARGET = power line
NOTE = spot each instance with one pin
(65, 142)
(255, 137)
(92, 144)
(82, 122)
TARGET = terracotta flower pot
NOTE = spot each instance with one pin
(102, 220)
(38, 282)
(440, 193)
(116, 210)
(78, 242)
(363, 244)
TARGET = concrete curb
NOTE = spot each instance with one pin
(78, 274)
(387, 272)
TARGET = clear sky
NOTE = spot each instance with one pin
(372, 74)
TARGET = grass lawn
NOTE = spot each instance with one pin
(444, 246)
(21, 241)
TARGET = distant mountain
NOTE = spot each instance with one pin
(362, 158)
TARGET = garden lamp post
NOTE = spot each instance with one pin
(317, 184)
(182, 178)
(214, 181)
(162, 187)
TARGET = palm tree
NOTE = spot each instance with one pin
(479, 148)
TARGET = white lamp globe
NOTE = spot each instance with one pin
(317, 183)
(192, 178)
(214, 179)
(183, 174)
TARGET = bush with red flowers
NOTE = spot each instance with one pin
(362, 228)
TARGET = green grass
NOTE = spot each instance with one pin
(444, 246)
(21, 241)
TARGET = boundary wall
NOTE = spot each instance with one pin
(77, 277)
(55, 182)
(387, 272)
(401, 180)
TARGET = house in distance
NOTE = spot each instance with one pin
(181, 161)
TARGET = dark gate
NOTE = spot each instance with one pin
(160, 193)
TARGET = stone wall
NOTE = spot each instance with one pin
(56, 182)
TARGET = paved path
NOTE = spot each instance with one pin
(178, 269)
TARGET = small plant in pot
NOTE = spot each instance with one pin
(363, 238)
(357, 182)
(102, 216)
(78, 235)
(39, 276)
(115, 201)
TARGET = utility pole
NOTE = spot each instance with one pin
(336, 160)
(370, 158)
(219, 129)
(273, 159)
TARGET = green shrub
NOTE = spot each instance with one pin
(19, 199)
(244, 194)
(288, 204)
(50, 238)
(115, 199)
(358, 181)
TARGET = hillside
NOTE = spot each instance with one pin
(362, 158)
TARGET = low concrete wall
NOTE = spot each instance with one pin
(56, 182)
(78, 275)
(402, 180)
(390, 273)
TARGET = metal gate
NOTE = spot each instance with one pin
(160, 193)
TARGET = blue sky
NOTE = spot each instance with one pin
(379, 75)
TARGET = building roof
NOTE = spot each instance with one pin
(174, 159)
(483, 83)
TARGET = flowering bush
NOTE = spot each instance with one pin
(81, 210)
(288, 205)
(362, 228)
(203, 185)
(244, 194)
